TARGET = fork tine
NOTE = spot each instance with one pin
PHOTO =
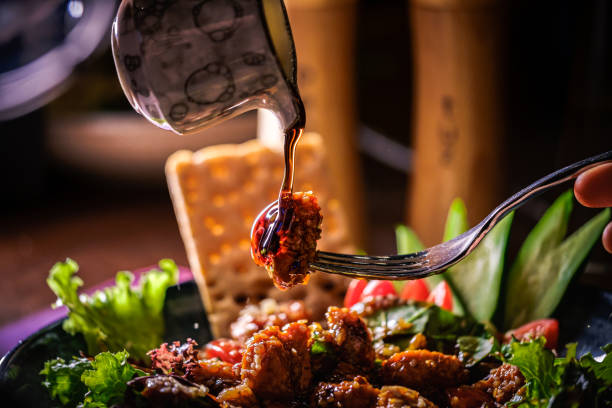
(375, 264)
(370, 273)
(395, 267)
(372, 261)
(385, 259)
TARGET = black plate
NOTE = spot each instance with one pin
(584, 317)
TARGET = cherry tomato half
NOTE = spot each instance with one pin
(548, 328)
(415, 290)
(226, 350)
(442, 296)
(378, 288)
(354, 291)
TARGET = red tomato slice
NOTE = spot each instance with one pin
(548, 328)
(378, 288)
(415, 290)
(442, 296)
(354, 291)
(226, 350)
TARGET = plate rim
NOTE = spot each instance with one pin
(4, 362)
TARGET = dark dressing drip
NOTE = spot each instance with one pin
(277, 217)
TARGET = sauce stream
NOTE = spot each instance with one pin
(278, 216)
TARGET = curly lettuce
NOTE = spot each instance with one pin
(118, 317)
(107, 379)
(63, 379)
(560, 381)
(99, 383)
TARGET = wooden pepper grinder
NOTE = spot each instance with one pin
(324, 35)
(458, 124)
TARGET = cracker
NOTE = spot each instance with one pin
(217, 192)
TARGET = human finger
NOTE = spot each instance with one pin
(593, 188)
(606, 238)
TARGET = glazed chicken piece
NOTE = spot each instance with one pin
(268, 313)
(352, 337)
(165, 391)
(466, 396)
(276, 363)
(238, 396)
(356, 393)
(428, 372)
(395, 396)
(502, 383)
(215, 374)
(288, 259)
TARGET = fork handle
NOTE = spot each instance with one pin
(536, 188)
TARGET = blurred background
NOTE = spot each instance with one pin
(418, 102)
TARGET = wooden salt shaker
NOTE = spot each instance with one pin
(324, 36)
(457, 119)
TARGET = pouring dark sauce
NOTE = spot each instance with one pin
(273, 227)
(277, 216)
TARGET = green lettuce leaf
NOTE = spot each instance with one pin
(473, 349)
(537, 364)
(602, 371)
(563, 382)
(81, 382)
(545, 265)
(107, 379)
(118, 317)
(396, 325)
(63, 380)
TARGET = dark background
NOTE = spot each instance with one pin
(558, 99)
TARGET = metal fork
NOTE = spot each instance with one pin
(438, 258)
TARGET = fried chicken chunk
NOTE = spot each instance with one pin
(426, 371)
(238, 396)
(502, 383)
(469, 397)
(215, 374)
(352, 337)
(288, 257)
(165, 391)
(395, 396)
(276, 363)
(268, 313)
(357, 393)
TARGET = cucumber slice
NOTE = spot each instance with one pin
(476, 280)
(407, 241)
